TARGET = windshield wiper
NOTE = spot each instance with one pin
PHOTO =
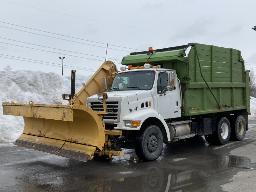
(114, 88)
(133, 87)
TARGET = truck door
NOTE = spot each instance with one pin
(168, 96)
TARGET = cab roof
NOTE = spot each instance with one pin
(150, 69)
(157, 56)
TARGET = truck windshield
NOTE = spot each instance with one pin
(133, 80)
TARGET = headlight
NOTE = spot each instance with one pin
(132, 123)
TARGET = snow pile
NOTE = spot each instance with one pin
(253, 108)
(25, 86)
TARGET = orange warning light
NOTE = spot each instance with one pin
(150, 50)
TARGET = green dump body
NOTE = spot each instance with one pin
(213, 79)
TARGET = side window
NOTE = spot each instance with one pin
(172, 78)
(162, 82)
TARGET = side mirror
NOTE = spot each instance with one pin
(161, 89)
(170, 88)
(164, 90)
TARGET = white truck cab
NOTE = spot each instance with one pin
(138, 95)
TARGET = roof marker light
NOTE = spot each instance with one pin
(147, 66)
(123, 68)
(151, 50)
(130, 67)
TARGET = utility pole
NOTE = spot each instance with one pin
(62, 58)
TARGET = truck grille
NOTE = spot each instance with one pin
(112, 110)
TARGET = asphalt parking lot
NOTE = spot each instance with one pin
(190, 165)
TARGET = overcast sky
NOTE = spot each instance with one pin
(34, 33)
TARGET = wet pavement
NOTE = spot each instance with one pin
(185, 166)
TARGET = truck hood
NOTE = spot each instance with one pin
(128, 102)
(124, 94)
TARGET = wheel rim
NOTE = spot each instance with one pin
(152, 143)
(240, 128)
(224, 131)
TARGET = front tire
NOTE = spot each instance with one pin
(222, 134)
(149, 143)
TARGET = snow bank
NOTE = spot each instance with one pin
(25, 86)
(253, 108)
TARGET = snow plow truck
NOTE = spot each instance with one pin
(158, 96)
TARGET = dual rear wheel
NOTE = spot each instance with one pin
(239, 128)
(225, 131)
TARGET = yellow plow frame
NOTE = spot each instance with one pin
(74, 130)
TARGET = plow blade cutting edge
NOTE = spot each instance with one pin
(75, 133)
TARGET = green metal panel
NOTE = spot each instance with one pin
(213, 78)
(161, 57)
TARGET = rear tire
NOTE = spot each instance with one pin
(239, 128)
(222, 134)
(150, 143)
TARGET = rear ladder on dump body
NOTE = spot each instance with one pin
(73, 130)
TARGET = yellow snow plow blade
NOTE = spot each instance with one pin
(60, 129)
(73, 130)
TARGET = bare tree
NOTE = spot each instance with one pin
(253, 84)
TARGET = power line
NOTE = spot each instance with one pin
(58, 49)
(48, 47)
(59, 38)
(68, 36)
(47, 51)
(64, 39)
(30, 60)
(56, 52)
